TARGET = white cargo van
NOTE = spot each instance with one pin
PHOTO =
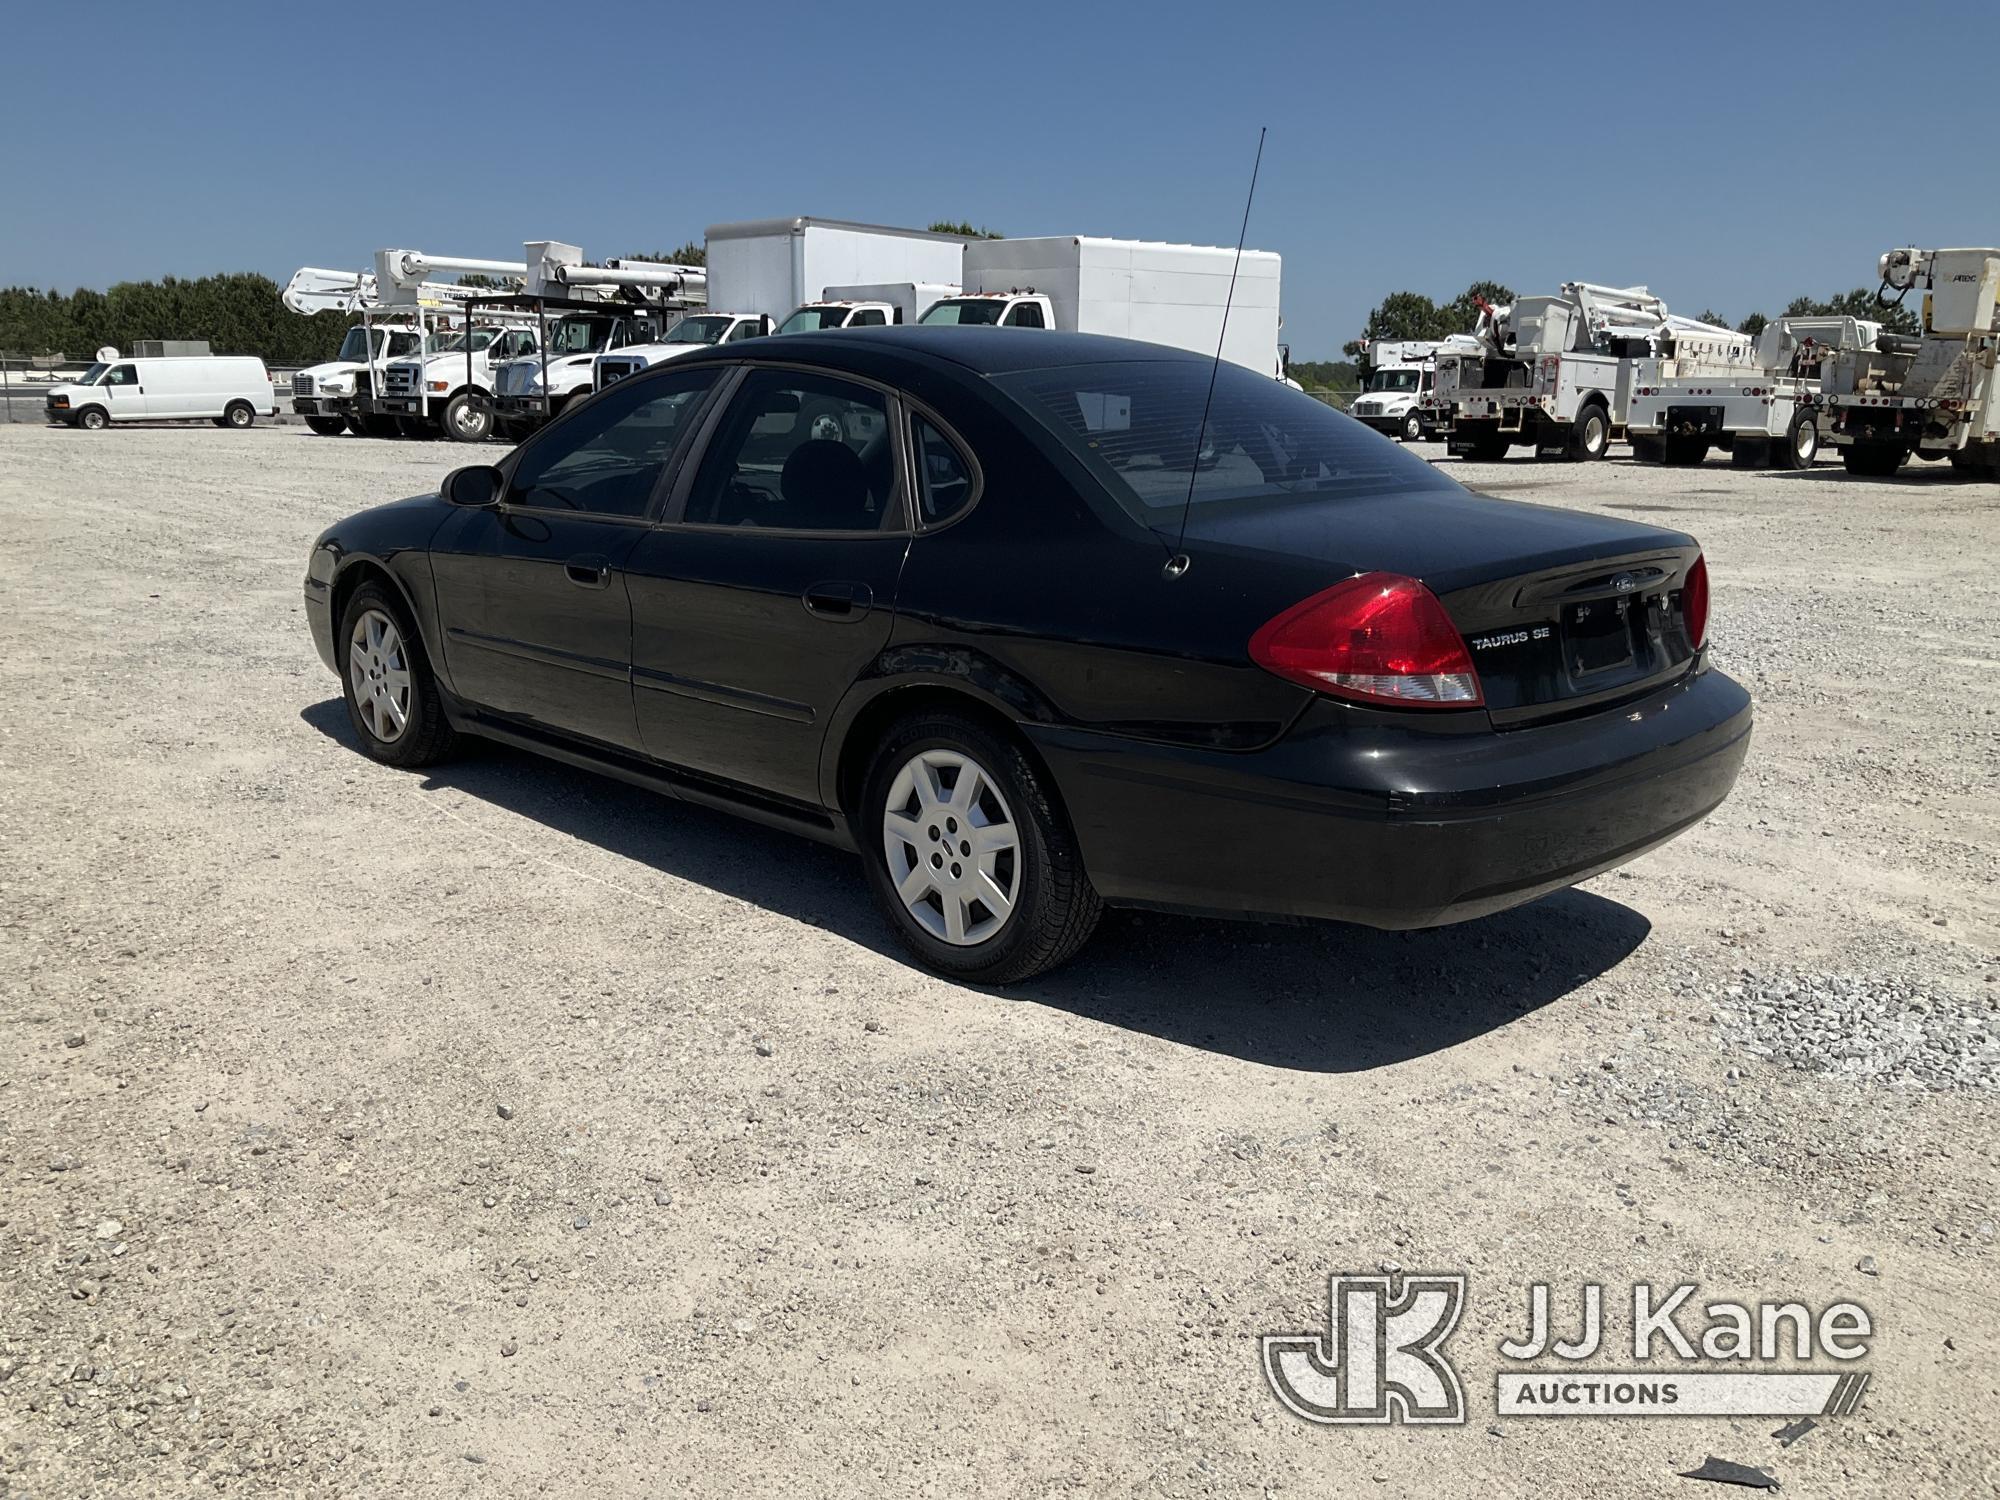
(227, 389)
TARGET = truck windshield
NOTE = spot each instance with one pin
(698, 330)
(966, 310)
(1394, 380)
(1134, 426)
(92, 375)
(354, 348)
(580, 335)
(813, 319)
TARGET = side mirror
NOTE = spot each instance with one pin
(476, 486)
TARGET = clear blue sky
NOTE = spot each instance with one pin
(1718, 153)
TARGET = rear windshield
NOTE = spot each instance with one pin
(1134, 426)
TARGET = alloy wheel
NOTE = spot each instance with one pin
(953, 848)
(378, 670)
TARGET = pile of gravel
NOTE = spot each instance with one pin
(1873, 1028)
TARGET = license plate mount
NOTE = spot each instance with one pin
(1598, 635)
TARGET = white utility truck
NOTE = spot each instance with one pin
(1557, 373)
(230, 390)
(600, 308)
(870, 305)
(1401, 378)
(774, 266)
(324, 393)
(1133, 289)
(1935, 394)
(699, 330)
(1759, 406)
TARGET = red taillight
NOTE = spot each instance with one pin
(1377, 638)
(1694, 602)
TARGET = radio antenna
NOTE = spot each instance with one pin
(1178, 563)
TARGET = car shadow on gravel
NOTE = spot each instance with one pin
(1321, 997)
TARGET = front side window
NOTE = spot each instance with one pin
(607, 459)
(698, 330)
(1134, 425)
(94, 374)
(868, 317)
(579, 335)
(799, 452)
(749, 328)
(400, 345)
(123, 375)
(1395, 381)
(813, 319)
(944, 480)
(1026, 315)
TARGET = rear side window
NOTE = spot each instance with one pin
(607, 458)
(944, 479)
(1134, 426)
(799, 452)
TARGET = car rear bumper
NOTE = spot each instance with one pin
(1361, 820)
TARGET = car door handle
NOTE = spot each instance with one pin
(839, 600)
(588, 572)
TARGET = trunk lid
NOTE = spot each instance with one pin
(1561, 610)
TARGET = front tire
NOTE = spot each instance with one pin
(392, 696)
(969, 855)
(327, 426)
(466, 421)
(92, 419)
(1413, 428)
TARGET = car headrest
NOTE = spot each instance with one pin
(825, 487)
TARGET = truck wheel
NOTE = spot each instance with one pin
(1590, 435)
(327, 426)
(415, 428)
(1800, 445)
(1874, 460)
(239, 414)
(1647, 449)
(1413, 428)
(375, 427)
(1685, 452)
(93, 419)
(1752, 452)
(465, 420)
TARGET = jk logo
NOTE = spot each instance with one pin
(1379, 1360)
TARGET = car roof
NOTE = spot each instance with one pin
(983, 351)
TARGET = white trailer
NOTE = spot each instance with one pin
(1758, 406)
(772, 266)
(1133, 289)
(1935, 395)
(1557, 373)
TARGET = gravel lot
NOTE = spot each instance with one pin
(503, 1131)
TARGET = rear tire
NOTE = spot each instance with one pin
(1648, 450)
(375, 427)
(1800, 445)
(327, 426)
(1750, 453)
(1052, 906)
(1685, 452)
(1874, 460)
(1590, 434)
(238, 414)
(415, 428)
(391, 678)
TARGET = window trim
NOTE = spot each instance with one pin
(665, 482)
(913, 410)
(898, 417)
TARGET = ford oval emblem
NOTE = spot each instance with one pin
(1624, 583)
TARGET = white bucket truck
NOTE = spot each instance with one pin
(1759, 405)
(323, 394)
(1935, 394)
(1557, 373)
(1133, 289)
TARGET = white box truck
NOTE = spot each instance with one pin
(230, 390)
(1131, 289)
(868, 305)
(772, 266)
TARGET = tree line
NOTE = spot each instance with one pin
(238, 313)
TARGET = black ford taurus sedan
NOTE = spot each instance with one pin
(1039, 622)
